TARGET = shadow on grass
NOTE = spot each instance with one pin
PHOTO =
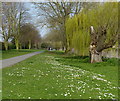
(56, 52)
(83, 59)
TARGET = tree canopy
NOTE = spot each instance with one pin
(103, 17)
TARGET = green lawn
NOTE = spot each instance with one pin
(53, 75)
(14, 52)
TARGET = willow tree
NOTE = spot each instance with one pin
(78, 37)
(95, 28)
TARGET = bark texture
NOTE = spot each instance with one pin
(95, 56)
(29, 44)
(17, 44)
(6, 45)
(97, 43)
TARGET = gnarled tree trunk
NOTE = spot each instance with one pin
(97, 42)
(95, 56)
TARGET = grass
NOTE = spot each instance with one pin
(14, 52)
(53, 75)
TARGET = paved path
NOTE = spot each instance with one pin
(14, 60)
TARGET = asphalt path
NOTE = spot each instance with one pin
(14, 60)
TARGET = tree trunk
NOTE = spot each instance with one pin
(6, 45)
(20, 46)
(29, 44)
(95, 56)
(24, 46)
(17, 44)
(67, 49)
(35, 45)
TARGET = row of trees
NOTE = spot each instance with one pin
(14, 27)
(30, 36)
(55, 15)
(93, 30)
(53, 39)
(11, 21)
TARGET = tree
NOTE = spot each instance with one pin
(54, 38)
(103, 32)
(11, 22)
(30, 35)
(77, 34)
(6, 23)
(97, 27)
(17, 12)
(56, 13)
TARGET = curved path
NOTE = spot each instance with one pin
(14, 60)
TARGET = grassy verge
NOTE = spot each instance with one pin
(53, 75)
(108, 67)
(14, 52)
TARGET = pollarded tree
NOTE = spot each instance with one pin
(99, 25)
(104, 29)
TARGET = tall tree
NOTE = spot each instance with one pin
(56, 13)
(17, 15)
(11, 21)
(6, 23)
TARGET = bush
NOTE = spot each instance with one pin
(111, 61)
(11, 46)
(44, 45)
